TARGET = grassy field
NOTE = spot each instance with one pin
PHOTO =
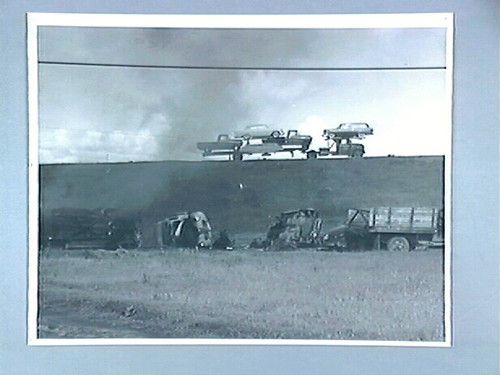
(241, 294)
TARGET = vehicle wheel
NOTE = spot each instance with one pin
(398, 244)
(357, 154)
(130, 245)
(237, 156)
(312, 155)
(111, 246)
(275, 134)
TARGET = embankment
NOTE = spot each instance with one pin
(244, 196)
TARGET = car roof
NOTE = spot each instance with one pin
(354, 124)
(257, 126)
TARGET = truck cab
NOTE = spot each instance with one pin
(340, 147)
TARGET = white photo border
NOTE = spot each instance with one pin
(325, 21)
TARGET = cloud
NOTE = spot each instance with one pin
(255, 48)
(98, 114)
(158, 115)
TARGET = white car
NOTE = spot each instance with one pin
(258, 131)
(349, 130)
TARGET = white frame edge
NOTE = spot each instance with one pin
(329, 21)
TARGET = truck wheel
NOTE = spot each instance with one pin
(275, 134)
(129, 245)
(398, 244)
(312, 155)
(237, 156)
(112, 245)
(357, 154)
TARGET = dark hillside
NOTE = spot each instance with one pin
(244, 196)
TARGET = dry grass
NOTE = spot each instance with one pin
(242, 294)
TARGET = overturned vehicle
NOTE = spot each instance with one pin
(185, 229)
(293, 229)
(73, 228)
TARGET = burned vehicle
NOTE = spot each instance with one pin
(391, 228)
(293, 229)
(72, 228)
(185, 229)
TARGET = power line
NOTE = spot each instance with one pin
(143, 66)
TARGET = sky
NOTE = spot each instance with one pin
(129, 94)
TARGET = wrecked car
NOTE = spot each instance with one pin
(72, 228)
(185, 229)
(292, 229)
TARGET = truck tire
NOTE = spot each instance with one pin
(398, 243)
(237, 156)
(357, 154)
(312, 155)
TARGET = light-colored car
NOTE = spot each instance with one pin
(258, 131)
(349, 130)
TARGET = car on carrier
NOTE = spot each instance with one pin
(349, 130)
(236, 149)
(257, 131)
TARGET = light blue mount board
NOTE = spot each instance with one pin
(475, 212)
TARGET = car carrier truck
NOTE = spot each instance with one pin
(340, 142)
(235, 149)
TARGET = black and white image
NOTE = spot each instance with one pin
(262, 179)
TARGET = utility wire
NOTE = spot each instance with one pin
(104, 65)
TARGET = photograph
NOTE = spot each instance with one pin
(240, 179)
